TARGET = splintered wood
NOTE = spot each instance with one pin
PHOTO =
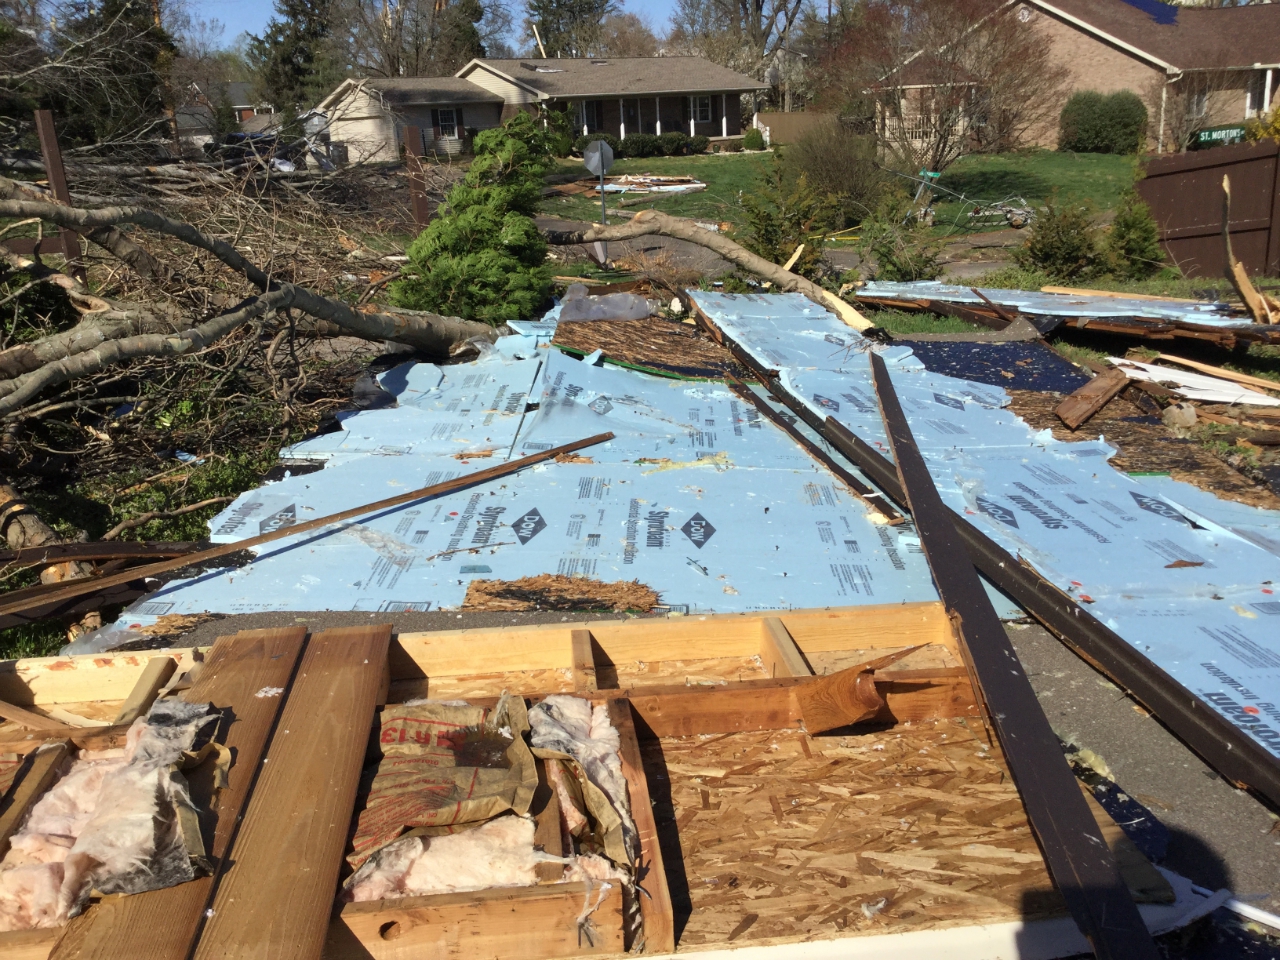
(787, 837)
(555, 592)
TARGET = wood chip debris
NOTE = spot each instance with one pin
(556, 592)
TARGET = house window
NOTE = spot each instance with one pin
(448, 123)
(589, 115)
(1198, 104)
(701, 109)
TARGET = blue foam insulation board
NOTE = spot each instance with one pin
(1185, 578)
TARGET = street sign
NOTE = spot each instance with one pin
(598, 157)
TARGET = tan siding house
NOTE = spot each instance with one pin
(616, 96)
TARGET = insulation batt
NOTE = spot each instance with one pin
(570, 725)
(109, 822)
(498, 853)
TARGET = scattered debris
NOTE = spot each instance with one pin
(556, 592)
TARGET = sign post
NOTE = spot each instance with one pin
(597, 156)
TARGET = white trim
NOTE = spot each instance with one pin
(1089, 28)
(622, 121)
(657, 116)
(724, 114)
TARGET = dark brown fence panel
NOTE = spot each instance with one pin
(1185, 196)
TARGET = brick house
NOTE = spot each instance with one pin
(605, 95)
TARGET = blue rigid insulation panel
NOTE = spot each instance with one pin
(1188, 579)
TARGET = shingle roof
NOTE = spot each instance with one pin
(1187, 38)
(401, 91)
(623, 76)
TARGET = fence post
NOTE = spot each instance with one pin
(1273, 229)
(417, 183)
(57, 177)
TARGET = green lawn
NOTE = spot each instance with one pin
(725, 174)
(1094, 178)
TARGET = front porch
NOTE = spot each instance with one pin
(711, 115)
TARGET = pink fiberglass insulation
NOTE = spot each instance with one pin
(110, 823)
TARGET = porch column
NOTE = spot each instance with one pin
(724, 114)
(1266, 94)
(585, 131)
(692, 107)
(657, 115)
(622, 122)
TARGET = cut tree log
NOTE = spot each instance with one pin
(1090, 398)
(650, 222)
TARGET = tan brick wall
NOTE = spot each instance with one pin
(1093, 64)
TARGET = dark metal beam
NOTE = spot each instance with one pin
(1082, 866)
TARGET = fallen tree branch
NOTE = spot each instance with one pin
(429, 332)
(649, 222)
(145, 518)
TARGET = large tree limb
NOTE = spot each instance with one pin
(97, 328)
(653, 222)
(426, 331)
(24, 388)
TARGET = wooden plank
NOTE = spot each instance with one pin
(112, 676)
(82, 738)
(27, 944)
(1079, 861)
(100, 550)
(275, 897)
(1082, 292)
(162, 924)
(547, 834)
(779, 653)
(651, 876)
(1241, 378)
(153, 679)
(584, 662)
(33, 721)
(30, 786)
(1090, 398)
(524, 923)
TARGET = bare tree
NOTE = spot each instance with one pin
(1184, 106)
(942, 77)
(626, 35)
(746, 35)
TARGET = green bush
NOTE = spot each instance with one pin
(674, 143)
(581, 143)
(1133, 243)
(699, 144)
(782, 214)
(640, 145)
(1063, 244)
(898, 247)
(560, 144)
(753, 139)
(484, 259)
(732, 146)
(1091, 122)
(842, 164)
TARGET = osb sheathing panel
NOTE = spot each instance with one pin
(786, 837)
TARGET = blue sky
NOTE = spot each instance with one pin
(240, 16)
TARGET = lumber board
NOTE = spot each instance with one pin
(656, 910)
(101, 550)
(524, 923)
(154, 677)
(29, 720)
(779, 653)
(584, 662)
(29, 786)
(1243, 379)
(274, 899)
(76, 588)
(162, 924)
(82, 738)
(27, 944)
(1090, 398)
(39, 680)
(1082, 866)
(547, 834)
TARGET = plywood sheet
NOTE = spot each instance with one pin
(786, 837)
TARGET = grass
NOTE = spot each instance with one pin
(726, 175)
(1097, 179)
(902, 321)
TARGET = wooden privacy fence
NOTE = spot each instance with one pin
(790, 127)
(1184, 193)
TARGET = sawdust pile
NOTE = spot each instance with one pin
(555, 592)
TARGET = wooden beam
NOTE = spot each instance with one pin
(275, 897)
(162, 924)
(524, 923)
(33, 721)
(82, 738)
(779, 653)
(651, 876)
(30, 786)
(154, 677)
(100, 550)
(584, 662)
(1082, 867)
(1241, 378)
(1090, 398)
(547, 834)
(27, 944)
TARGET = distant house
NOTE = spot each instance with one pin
(616, 96)
(1194, 67)
(196, 118)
